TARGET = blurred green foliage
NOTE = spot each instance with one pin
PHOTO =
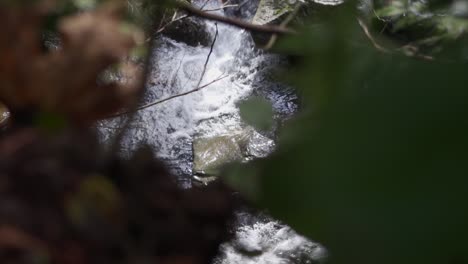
(257, 112)
(425, 26)
(376, 164)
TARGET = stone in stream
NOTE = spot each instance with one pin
(4, 115)
(213, 152)
(244, 9)
(276, 11)
(191, 31)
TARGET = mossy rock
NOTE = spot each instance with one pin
(210, 154)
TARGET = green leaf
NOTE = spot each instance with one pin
(51, 122)
(257, 112)
(377, 169)
(395, 9)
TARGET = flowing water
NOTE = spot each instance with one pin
(237, 71)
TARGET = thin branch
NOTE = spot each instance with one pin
(174, 19)
(283, 24)
(161, 29)
(197, 88)
(126, 124)
(233, 21)
(220, 8)
(205, 66)
(371, 38)
(387, 51)
(181, 94)
(171, 97)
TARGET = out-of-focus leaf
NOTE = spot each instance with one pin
(64, 81)
(244, 178)
(50, 121)
(4, 115)
(13, 238)
(97, 197)
(395, 9)
(257, 112)
(375, 166)
(426, 28)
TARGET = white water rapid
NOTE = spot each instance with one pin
(172, 126)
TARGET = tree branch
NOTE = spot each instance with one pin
(161, 28)
(234, 21)
(196, 89)
(283, 24)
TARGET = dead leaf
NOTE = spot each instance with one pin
(13, 238)
(4, 115)
(65, 81)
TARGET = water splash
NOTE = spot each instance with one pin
(170, 127)
(270, 242)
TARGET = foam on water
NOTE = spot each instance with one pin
(170, 127)
(270, 243)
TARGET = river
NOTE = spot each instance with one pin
(238, 70)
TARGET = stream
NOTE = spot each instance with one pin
(174, 129)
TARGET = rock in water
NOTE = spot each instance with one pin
(241, 9)
(211, 153)
(270, 10)
(190, 30)
(4, 115)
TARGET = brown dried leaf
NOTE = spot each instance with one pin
(4, 115)
(13, 238)
(65, 81)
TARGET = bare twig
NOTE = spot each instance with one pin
(197, 88)
(181, 94)
(283, 24)
(371, 38)
(161, 29)
(171, 97)
(116, 141)
(388, 51)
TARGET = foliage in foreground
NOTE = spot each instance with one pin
(65, 197)
(375, 167)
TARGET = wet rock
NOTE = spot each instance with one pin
(4, 115)
(306, 253)
(51, 41)
(57, 190)
(259, 146)
(213, 152)
(271, 10)
(190, 31)
(274, 12)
